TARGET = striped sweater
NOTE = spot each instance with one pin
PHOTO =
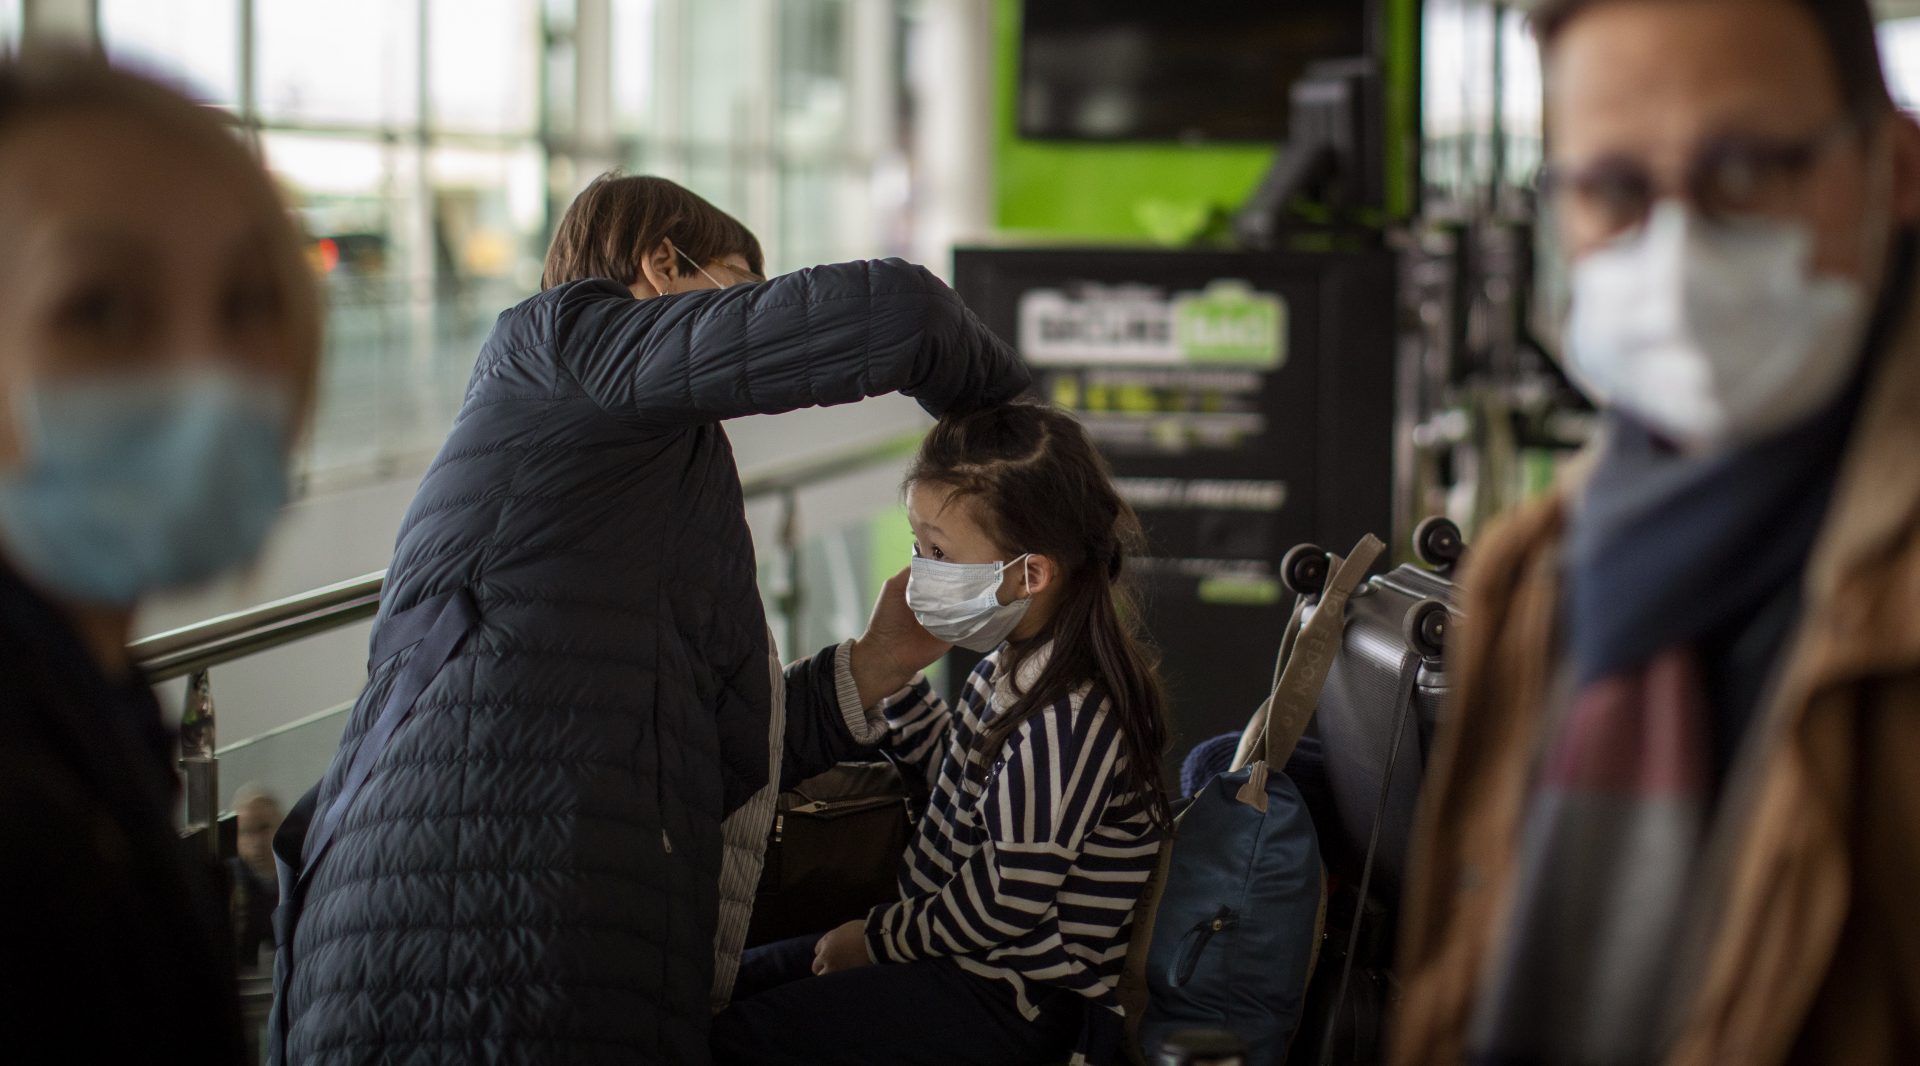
(1029, 859)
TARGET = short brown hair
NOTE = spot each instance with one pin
(1846, 32)
(619, 218)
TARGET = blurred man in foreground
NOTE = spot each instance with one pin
(1674, 815)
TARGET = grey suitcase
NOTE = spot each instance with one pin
(1359, 769)
(1378, 711)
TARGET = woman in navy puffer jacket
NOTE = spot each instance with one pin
(515, 856)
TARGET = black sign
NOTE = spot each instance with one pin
(1246, 403)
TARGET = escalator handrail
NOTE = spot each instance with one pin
(203, 645)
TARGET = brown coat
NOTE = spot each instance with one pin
(1816, 954)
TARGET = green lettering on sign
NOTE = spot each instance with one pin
(1231, 323)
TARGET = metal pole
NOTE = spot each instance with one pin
(197, 761)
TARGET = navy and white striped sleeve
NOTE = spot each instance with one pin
(1055, 778)
(917, 726)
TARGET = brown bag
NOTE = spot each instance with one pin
(835, 851)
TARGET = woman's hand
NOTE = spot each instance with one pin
(843, 948)
(895, 646)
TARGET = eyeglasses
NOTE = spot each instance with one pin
(748, 276)
(1730, 177)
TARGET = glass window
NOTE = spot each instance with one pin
(489, 218)
(810, 230)
(360, 200)
(356, 191)
(488, 224)
(482, 64)
(724, 85)
(656, 157)
(192, 43)
(1900, 53)
(9, 23)
(408, 135)
(813, 76)
(631, 47)
(719, 174)
(1521, 99)
(353, 62)
(1457, 64)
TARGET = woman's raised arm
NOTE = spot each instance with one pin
(814, 338)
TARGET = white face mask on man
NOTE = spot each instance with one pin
(1713, 333)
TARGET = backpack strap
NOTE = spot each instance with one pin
(1296, 691)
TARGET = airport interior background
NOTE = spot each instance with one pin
(1272, 355)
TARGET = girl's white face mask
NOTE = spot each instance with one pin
(960, 602)
(1713, 333)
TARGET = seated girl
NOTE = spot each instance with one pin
(1006, 942)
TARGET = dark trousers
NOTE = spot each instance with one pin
(930, 1011)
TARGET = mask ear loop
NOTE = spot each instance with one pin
(682, 253)
(1026, 577)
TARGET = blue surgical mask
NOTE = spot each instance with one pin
(960, 602)
(133, 483)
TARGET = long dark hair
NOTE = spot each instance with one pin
(1042, 488)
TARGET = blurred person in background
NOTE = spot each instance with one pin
(1673, 815)
(520, 855)
(253, 888)
(158, 342)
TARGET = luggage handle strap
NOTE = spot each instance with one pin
(1296, 690)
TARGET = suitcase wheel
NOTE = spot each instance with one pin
(1304, 570)
(1438, 543)
(1426, 628)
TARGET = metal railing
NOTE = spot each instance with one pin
(191, 651)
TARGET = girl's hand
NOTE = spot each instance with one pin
(895, 646)
(844, 948)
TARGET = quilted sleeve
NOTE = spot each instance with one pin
(814, 338)
(825, 723)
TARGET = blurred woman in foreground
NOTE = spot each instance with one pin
(158, 338)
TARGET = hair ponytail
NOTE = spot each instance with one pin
(1044, 489)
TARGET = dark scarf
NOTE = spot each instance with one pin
(1682, 586)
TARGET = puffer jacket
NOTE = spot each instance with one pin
(529, 872)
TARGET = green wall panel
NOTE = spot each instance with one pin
(1151, 190)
